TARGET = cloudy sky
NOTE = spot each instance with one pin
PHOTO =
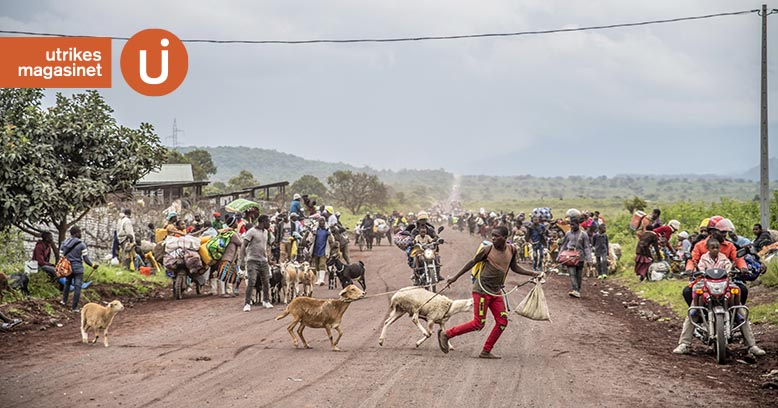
(671, 98)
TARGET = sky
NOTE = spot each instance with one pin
(661, 99)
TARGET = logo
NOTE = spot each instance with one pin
(154, 62)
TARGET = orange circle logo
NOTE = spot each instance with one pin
(154, 62)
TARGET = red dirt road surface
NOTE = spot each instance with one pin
(204, 351)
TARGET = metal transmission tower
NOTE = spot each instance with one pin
(173, 138)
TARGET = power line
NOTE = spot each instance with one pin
(421, 38)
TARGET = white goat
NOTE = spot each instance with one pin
(410, 300)
(94, 316)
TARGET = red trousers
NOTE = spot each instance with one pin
(480, 304)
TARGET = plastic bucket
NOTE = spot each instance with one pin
(145, 270)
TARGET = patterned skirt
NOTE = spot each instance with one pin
(227, 272)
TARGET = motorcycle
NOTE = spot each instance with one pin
(426, 264)
(716, 312)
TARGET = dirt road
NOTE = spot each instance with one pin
(206, 352)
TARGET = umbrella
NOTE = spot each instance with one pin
(241, 205)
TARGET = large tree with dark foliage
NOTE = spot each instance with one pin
(58, 163)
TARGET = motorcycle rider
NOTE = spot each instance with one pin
(422, 222)
(420, 239)
(367, 230)
(718, 227)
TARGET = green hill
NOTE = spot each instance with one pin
(435, 185)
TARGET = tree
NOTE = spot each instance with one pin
(215, 188)
(310, 185)
(202, 164)
(244, 179)
(56, 164)
(354, 191)
(636, 203)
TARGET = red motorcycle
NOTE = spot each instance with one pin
(716, 312)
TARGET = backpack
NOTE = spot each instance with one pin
(218, 244)
(480, 265)
(63, 269)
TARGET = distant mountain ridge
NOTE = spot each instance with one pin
(753, 173)
(270, 166)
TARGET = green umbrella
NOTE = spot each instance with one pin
(241, 205)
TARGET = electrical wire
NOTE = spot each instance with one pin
(421, 38)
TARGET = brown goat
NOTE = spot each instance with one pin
(94, 316)
(320, 313)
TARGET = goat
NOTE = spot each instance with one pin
(306, 277)
(94, 316)
(438, 310)
(348, 273)
(276, 282)
(320, 313)
(290, 282)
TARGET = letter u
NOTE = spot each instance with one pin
(144, 75)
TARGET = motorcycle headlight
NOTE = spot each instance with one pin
(717, 288)
(429, 254)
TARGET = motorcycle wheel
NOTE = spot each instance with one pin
(721, 341)
(361, 245)
(432, 279)
(178, 286)
(198, 287)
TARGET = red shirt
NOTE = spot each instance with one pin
(42, 253)
(665, 232)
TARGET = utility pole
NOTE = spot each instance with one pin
(764, 162)
(173, 138)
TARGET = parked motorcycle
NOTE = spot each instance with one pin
(716, 312)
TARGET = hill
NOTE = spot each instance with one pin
(269, 166)
(435, 185)
(753, 173)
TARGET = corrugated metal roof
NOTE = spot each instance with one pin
(177, 173)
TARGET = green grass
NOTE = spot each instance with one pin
(42, 288)
(765, 313)
(115, 274)
(666, 292)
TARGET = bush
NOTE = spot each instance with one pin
(12, 255)
(770, 277)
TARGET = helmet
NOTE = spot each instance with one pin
(170, 215)
(410, 214)
(704, 223)
(337, 214)
(329, 209)
(230, 219)
(712, 221)
(683, 235)
(423, 216)
(674, 224)
(725, 225)
(573, 213)
(296, 197)
(217, 214)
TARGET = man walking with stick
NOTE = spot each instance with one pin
(497, 259)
